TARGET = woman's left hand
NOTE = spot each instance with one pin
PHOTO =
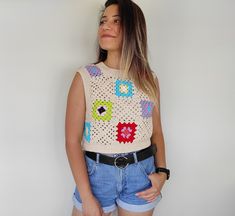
(157, 180)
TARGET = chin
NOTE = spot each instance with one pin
(109, 47)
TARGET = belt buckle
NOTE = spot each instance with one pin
(120, 161)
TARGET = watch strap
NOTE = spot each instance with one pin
(164, 170)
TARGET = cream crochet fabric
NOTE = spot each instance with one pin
(118, 115)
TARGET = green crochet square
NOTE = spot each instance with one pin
(102, 110)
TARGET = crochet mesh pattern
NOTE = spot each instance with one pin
(118, 115)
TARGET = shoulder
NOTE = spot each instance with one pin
(81, 69)
(90, 69)
(80, 77)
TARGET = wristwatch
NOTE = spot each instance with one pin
(164, 170)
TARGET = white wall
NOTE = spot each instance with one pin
(191, 46)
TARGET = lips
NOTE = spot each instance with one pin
(108, 36)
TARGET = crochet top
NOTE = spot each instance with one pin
(118, 115)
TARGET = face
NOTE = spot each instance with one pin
(110, 32)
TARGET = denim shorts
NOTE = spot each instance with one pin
(114, 186)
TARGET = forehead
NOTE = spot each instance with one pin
(111, 10)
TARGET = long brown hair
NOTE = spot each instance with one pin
(134, 60)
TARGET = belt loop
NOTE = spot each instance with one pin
(97, 157)
(135, 157)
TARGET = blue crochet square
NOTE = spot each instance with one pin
(123, 88)
(87, 131)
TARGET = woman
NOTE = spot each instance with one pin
(113, 122)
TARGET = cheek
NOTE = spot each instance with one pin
(99, 31)
(120, 37)
(118, 32)
(117, 29)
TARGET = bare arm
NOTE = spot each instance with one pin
(157, 136)
(74, 124)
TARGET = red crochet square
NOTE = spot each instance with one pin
(126, 132)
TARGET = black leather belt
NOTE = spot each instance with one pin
(122, 161)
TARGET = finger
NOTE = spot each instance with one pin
(151, 200)
(150, 195)
(154, 197)
(146, 192)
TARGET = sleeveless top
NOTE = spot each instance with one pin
(118, 115)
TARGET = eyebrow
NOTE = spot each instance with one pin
(113, 16)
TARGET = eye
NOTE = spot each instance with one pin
(102, 22)
(117, 21)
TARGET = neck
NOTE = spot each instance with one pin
(113, 60)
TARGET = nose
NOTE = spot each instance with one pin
(106, 26)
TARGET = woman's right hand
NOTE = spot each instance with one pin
(91, 207)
